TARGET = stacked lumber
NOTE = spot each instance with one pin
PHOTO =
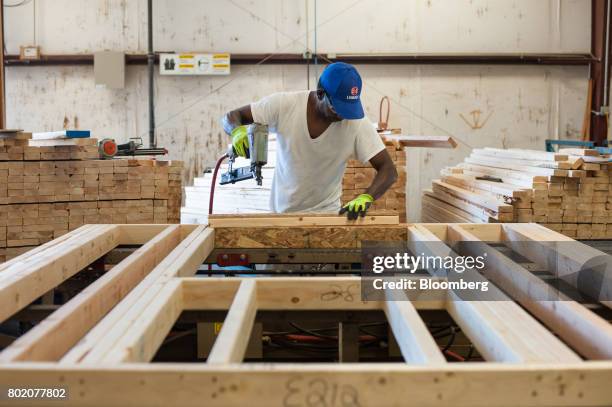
(88, 180)
(42, 199)
(19, 146)
(30, 225)
(568, 191)
(358, 178)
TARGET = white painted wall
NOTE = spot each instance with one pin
(281, 25)
(525, 105)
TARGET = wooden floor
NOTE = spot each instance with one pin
(100, 344)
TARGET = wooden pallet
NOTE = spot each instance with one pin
(99, 344)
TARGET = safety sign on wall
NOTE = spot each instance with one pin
(194, 64)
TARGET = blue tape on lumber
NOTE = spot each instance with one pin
(77, 133)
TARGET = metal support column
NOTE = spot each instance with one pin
(151, 72)
(600, 72)
(2, 93)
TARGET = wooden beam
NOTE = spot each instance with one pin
(421, 141)
(580, 152)
(497, 188)
(147, 333)
(280, 293)
(488, 232)
(441, 210)
(232, 341)
(182, 261)
(524, 154)
(561, 165)
(539, 157)
(501, 330)
(482, 214)
(240, 221)
(55, 335)
(483, 199)
(524, 169)
(139, 234)
(372, 384)
(588, 333)
(287, 293)
(564, 257)
(412, 336)
(82, 231)
(518, 178)
(30, 277)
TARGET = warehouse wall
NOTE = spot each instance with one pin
(518, 106)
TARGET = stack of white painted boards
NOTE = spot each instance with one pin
(569, 191)
(46, 193)
(239, 198)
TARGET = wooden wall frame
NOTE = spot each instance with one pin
(562, 358)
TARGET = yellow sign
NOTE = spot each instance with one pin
(194, 64)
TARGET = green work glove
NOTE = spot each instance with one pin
(357, 207)
(240, 140)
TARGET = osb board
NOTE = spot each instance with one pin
(329, 237)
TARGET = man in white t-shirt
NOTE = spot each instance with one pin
(316, 134)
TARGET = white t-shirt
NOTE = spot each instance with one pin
(308, 173)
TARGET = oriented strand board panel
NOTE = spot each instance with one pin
(306, 237)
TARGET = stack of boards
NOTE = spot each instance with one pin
(44, 194)
(567, 191)
(19, 146)
(359, 176)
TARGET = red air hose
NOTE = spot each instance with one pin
(214, 182)
(212, 189)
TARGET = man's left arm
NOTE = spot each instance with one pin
(386, 175)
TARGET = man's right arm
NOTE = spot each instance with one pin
(238, 117)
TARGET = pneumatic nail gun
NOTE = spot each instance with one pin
(257, 153)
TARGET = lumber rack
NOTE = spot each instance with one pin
(100, 344)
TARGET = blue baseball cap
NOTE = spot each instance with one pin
(342, 84)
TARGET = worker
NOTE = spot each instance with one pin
(316, 134)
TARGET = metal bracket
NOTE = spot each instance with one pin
(604, 111)
(232, 259)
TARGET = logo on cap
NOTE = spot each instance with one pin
(354, 90)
